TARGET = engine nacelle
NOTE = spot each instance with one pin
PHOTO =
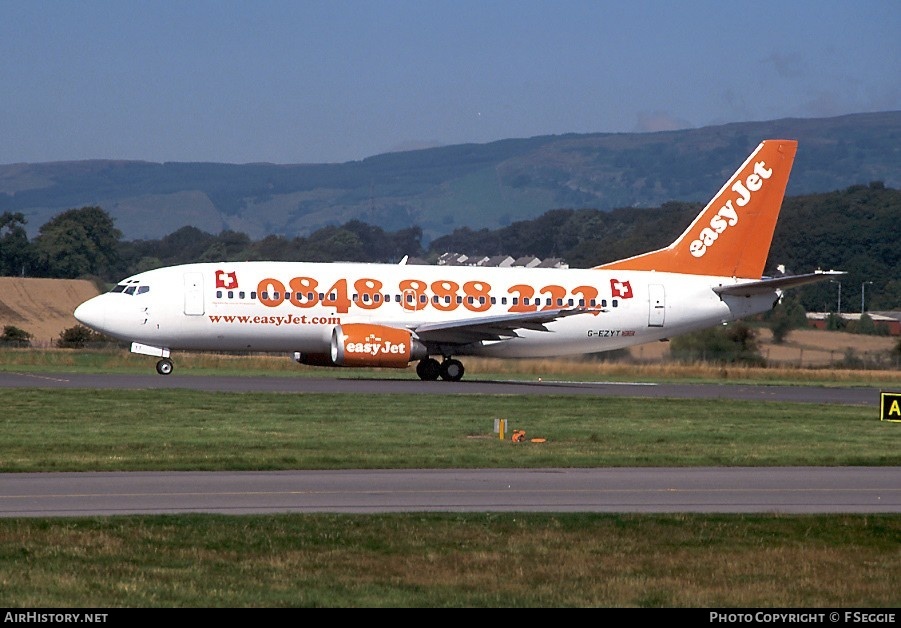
(360, 344)
(314, 359)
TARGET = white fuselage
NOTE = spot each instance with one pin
(294, 306)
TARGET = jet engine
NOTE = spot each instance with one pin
(360, 344)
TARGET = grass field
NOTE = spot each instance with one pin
(437, 560)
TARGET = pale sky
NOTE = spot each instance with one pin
(339, 80)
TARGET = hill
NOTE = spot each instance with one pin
(42, 307)
(441, 189)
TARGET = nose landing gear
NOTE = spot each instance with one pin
(164, 366)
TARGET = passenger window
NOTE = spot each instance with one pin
(231, 294)
(218, 294)
(615, 303)
(241, 294)
(603, 302)
(253, 295)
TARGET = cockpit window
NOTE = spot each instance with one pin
(131, 289)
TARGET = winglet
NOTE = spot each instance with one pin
(731, 236)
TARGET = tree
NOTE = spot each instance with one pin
(16, 252)
(78, 242)
(788, 314)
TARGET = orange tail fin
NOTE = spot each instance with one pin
(731, 237)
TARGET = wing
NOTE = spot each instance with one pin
(465, 331)
(765, 286)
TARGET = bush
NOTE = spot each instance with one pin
(15, 337)
(79, 336)
(735, 343)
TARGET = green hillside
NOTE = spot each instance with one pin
(442, 189)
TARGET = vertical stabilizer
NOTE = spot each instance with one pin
(731, 236)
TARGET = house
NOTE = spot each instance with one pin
(891, 321)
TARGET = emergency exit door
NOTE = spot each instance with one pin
(194, 294)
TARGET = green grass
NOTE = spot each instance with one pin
(173, 429)
(452, 560)
(441, 559)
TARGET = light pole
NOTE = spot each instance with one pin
(862, 292)
(839, 312)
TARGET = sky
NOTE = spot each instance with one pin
(332, 81)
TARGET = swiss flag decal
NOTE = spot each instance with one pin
(621, 289)
(226, 280)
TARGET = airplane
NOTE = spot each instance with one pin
(344, 314)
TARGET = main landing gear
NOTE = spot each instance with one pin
(164, 366)
(450, 370)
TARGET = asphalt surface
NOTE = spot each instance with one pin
(703, 490)
(642, 490)
(786, 394)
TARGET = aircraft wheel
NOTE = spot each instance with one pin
(428, 369)
(452, 370)
(164, 366)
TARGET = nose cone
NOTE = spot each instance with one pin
(92, 313)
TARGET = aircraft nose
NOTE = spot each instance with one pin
(91, 313)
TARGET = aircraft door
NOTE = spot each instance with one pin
(656, 305)
(193, 294)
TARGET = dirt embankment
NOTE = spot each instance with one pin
(42, 307)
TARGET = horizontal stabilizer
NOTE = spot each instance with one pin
(765, 286)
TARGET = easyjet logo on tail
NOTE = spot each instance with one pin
(727, 215)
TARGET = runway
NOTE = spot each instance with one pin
(637, 490)
(285, 384)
